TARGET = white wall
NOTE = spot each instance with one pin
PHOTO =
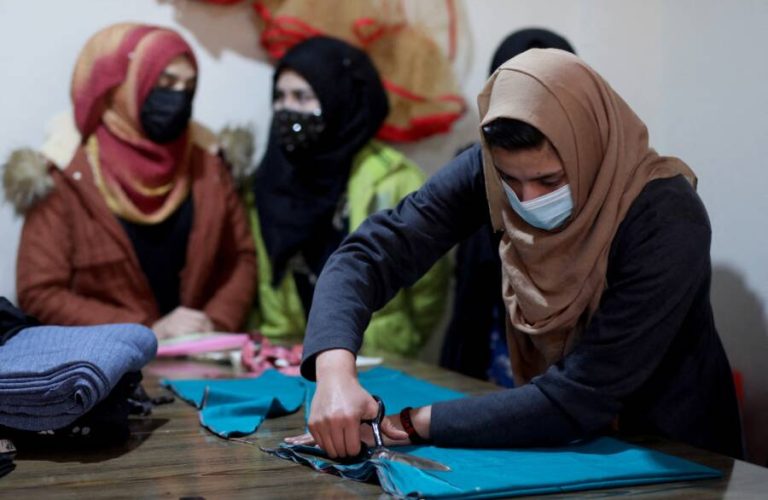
(695, 71)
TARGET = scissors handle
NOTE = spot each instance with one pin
(375, 423)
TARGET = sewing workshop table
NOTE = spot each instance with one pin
(169, 455)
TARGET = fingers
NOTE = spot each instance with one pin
(202, 323)
(352, 439)
(320, 436)
(392, 431)
(200, 320)
(371, 408)
(338, 407)
(303, 439)
(207, 325)
(338, 435)
(191, 319)
(324, 440)
(342, 440)
(160, 330)
(184, 320)
(366, 434)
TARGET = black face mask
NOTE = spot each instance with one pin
(298, 132)
(165, 114)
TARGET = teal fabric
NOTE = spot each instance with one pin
(396, 389)
(481, 473)
(237, 407)
(477, 473)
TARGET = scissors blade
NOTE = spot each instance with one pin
(412, 460)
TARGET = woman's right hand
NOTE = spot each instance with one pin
(340, 404)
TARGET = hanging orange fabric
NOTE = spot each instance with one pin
(424, 98)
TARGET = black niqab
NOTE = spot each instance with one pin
(297, 198)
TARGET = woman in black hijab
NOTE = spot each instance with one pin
(322, 175)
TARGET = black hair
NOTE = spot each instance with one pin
(525, 39)
(511, 134)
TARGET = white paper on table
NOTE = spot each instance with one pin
(362, 361)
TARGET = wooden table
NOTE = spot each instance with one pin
(169, 455)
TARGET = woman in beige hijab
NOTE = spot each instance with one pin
(606, 271)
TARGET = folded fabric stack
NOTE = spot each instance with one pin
(51, 376)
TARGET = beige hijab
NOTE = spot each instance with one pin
(552, 281)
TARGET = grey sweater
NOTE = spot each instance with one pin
(650, 355)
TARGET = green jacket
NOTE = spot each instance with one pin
(380, 178)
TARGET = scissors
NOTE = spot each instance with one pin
(378, 450)
(382, 452)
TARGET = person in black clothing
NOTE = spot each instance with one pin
(13, 320)
(474, 339)
(606, 275)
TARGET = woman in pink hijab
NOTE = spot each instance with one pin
(143, 225)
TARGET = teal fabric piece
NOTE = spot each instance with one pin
(482, 473)
(477, 473)
(237, 407)
(396, 389)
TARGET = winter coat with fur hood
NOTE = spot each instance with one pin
(76, 264)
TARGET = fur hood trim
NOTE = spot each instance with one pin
(26, 180)
(237, 148)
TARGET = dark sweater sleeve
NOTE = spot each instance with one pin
(391, 250)
(12, 320)
(659, 257)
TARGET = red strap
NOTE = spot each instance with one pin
(405, 420)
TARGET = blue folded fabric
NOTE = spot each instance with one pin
(237, 407)
(396, 389)
(52, 375)
(601, 463)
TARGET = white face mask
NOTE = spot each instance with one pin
(545, 212)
